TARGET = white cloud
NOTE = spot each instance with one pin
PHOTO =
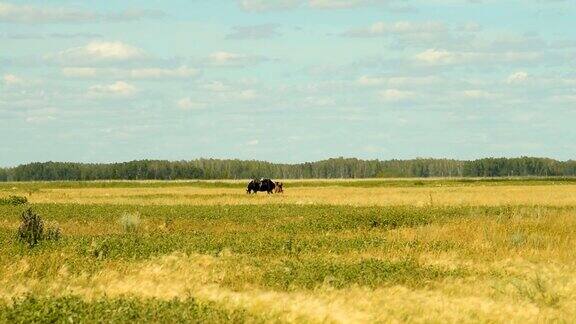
(98, 51)
(253, 142)
(444, 57)
(181, 72)
(333, 4)
(109, 50)
(216, 86)
(254, 32)
(396, 5)
(471, 27)
(518, 77)
(395, 95)
(434, 56)
(319, 101)
(414, 81)
(223, 58)
(80, 72)
(398, 81)
(268, 5)
(12, 80)
(189, 104)
(247, 95)
(226, 92)
(159, 73)
(39, 119)
(567, 98)
(369, 81)
(398, 28)
(116, 89)
(237, 95)
(41, 115)
(32, 14)
(29, 14)
(477, 94)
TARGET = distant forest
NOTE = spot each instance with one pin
(346, 168)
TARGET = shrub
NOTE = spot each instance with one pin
(130, 222)
(99, 249)
(52, 231)
(31, 228)
(14, 200)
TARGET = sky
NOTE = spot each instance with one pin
(286, 80)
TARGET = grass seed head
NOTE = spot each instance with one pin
(130, 222)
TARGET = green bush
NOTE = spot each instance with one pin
(14, 200)
(32, 229)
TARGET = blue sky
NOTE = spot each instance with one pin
(286, 80)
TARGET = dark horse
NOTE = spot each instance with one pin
(260, 185)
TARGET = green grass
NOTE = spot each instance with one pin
(246, 229)
(309, 274)
(284, 217)
(75, 310)
(13, 200)
(93, 233)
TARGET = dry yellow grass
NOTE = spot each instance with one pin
(545, 195)
(199, 276)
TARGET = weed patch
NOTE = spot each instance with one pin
(373, 273)
(14, 200)
(75, 310)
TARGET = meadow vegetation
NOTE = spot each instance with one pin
(325, 251)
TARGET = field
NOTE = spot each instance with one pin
(475, 250)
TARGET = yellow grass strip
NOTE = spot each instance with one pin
(545, 195)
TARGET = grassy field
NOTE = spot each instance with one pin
(435, 250)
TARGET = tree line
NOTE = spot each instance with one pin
(346, 168)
